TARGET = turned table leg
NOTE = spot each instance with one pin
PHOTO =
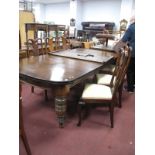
(60, 109)
(60, 103)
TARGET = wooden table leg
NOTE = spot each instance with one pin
(106, 42)
(60, 103)
(60, 108)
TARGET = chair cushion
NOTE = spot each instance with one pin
(96, 91)
(104, 79)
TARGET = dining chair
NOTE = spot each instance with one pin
(49, 44)
(123, 26)
(22, 132)
(102, 37)
(99, 95)
(110, 67)
(65, 43)
(105, 78)
(35, 48)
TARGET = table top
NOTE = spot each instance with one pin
(57, 70)
(103, 47)
(103, 35)
(84, 54)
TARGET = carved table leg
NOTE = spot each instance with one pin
(60, 103)
(60, 108)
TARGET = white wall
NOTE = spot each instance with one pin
(87, 10)
(127, 9)
(79, 15)
(101, 10)
(59, 13)
(39, 11)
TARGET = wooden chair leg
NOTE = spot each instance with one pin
(79, 114)
(32, 89)
(46, 96)
(112, 115)
(120, 95)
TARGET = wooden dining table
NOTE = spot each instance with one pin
(102, 47)
(60, 71)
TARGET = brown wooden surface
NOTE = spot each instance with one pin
(59, 70)
(85, 54)
(105, 36)
(58, 73)
(103, 47)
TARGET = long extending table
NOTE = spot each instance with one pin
(60, 71)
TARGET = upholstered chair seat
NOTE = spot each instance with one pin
(95, 91)
(104, 79)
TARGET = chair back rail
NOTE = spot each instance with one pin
(36, 46)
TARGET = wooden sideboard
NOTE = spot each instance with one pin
(92, 28)
(98, 26)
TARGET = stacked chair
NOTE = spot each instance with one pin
(103, 94)
(56, 44)
(35, 47)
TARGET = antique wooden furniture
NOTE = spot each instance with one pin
(59, 30)
(92, 28)
(21, 123)
(105, 37)
(109, 68)
(56, 43)
(50, 31)
(35, 27)
(74, 43)
(49, 44)
(66, 43)
(98, 26)
(123, 26)
(60, 71)
(105, 78)
(101, 47)
(99, 95)
(35, 47)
